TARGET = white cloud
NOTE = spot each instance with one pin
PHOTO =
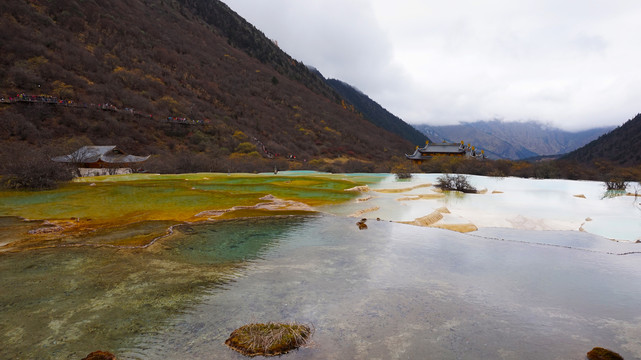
(572, 63)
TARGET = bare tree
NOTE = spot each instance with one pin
(25, 167)
(455, 182)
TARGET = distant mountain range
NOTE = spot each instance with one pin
(513, 140)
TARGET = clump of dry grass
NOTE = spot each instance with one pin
(599, 353)
(269, 339)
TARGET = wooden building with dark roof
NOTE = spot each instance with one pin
(101, 157)
(444, 149)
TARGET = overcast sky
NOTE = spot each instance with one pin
(574, 64)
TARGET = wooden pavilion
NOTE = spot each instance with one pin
(444, 149)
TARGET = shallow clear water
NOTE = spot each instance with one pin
(396, 291)
(392, 291)
(63, 303)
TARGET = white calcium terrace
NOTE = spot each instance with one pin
(516, 203)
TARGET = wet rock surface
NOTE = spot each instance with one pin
(361, 224)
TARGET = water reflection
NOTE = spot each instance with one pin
(397, 291)
(505, 202)
(608, 194)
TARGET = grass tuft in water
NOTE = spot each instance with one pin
(599, 353)
(269, 339)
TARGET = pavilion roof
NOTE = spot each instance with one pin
(453, 148)
(92, 154)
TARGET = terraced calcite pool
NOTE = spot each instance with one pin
(133, 210)
(107, 274)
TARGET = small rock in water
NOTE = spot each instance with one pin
(599, 353)
(100, 355)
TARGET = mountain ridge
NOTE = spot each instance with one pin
(621, 146)
(375, 113)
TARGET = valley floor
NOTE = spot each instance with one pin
(536, 279)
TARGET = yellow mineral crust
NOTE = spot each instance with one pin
(365, 211)
(273, 204)
(434, 220)
(395, 191)
(426, 220)
(422, 197)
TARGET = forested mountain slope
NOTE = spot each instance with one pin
(123, 67)
(375, 113)
(621, 146)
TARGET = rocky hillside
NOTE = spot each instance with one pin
(513, 140)
(621, 146)
(166, 77)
